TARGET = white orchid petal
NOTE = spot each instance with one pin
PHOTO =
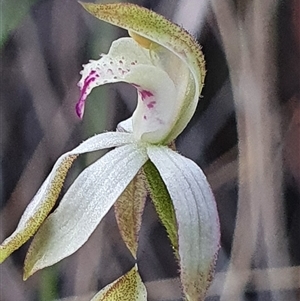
(44, 200)
(102, 141)
(98, 142)
(128, 287)
(83, 206)
(196, 215)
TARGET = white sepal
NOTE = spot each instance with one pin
(83, 206)
(98, 142)
(44, 200)
(197, 219)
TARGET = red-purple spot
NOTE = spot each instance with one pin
(151, 104)
(145, 94)
(109, 71)
(145, 117)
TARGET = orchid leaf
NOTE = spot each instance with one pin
(197, 219)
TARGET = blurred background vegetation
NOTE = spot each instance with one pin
(245, 134)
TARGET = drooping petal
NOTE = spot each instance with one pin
(197, 219)
(129, 209)
(151, 31)
(128, 62)
(83, 206)
(128, 287)
(44, 200)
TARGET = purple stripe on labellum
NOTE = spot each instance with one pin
(83, 93)
(145, 96)
(80, 107)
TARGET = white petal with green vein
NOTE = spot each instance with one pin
(44, 200)
(83, 206)
(197, 219)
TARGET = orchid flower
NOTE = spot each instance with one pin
(166, 66)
